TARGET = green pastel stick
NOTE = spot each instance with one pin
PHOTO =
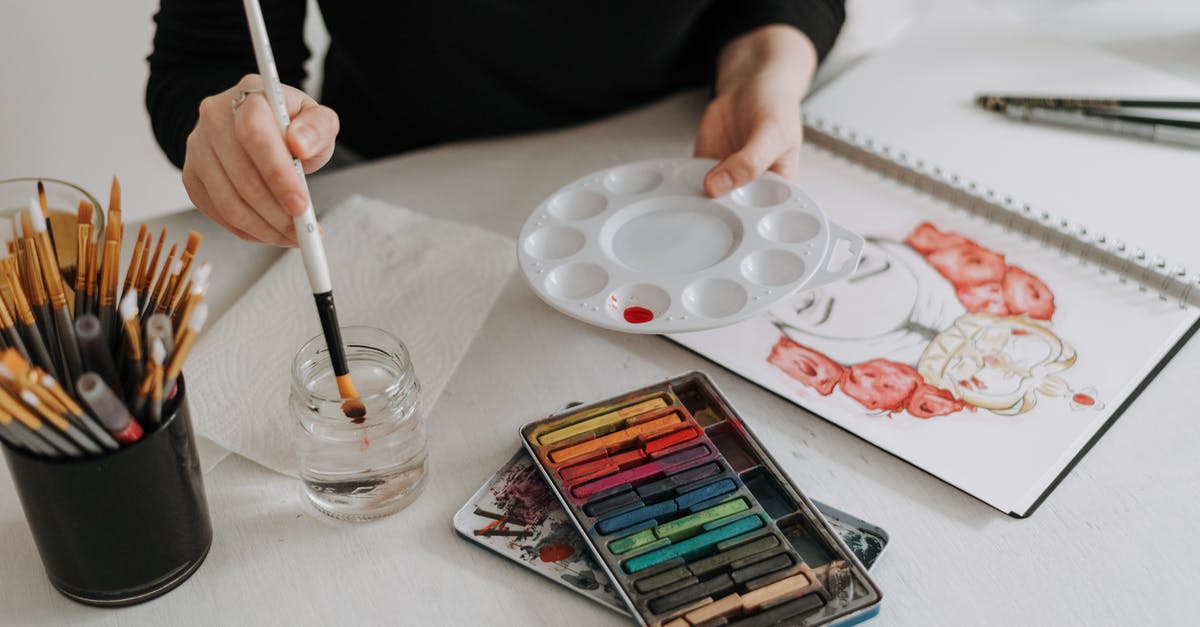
(676, 529)
(641, 539)
(692, 546)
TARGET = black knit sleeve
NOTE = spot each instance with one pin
(202, 48)
(821, 20)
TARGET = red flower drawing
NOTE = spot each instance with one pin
(928, 401)
(926, 238)
(806, 365)
(984, 298)
(968, 264)
(880, 384)
(1025, 293)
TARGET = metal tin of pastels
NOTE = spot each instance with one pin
(640, 248)
(691, 517)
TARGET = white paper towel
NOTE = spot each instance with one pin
(429, 282)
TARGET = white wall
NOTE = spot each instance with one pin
(74, 76)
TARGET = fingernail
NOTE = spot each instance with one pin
(295, 204)
(306, 138)
(720, 184)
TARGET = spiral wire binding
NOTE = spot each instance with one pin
(1171, 282)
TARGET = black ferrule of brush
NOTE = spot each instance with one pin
(333, 332)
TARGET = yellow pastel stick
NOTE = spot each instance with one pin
(603, 420)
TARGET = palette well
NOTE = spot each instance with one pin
(641, 248)
(690, 516)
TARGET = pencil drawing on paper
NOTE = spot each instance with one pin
(930, 326)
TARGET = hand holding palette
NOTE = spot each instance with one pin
(640, 248)
(689, 515)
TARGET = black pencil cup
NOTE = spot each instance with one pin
(122, 528)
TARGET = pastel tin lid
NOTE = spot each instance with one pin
(640, 248)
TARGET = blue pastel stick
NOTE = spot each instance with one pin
(633, 517)
(692, 546)
(705, 493)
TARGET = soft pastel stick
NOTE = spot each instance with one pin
(617, 439)
(633, 517)
(633, 541)
(727, 558)
(659, 580)
(671, 439)
(693, 546)
(781, 613)
(638, 473)
(762, 567)
(797, 585)
(600, 507)
(678, 480)
(705, 493)
(676, 529)
(571, 473)
(603, 421)
(724, 607)
(714, 587)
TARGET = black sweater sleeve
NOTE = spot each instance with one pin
(202, 47)
(821, 20)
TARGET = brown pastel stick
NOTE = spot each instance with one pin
(619, 438)
(678, 622)
(795, 586)
(723, 607)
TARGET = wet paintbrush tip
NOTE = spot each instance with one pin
(352, 407)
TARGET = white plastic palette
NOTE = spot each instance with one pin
(640, 248)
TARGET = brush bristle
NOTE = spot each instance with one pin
(193, 242)
(200, 280)
(142, 233)
(158, 352)
(36, 217)
(352, 407)
(26, 225)
(129, 305)
(199, 316)
(85, 212)
(114, 199)
(14, 363)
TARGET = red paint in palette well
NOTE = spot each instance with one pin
(1084, 399)
(638, 315)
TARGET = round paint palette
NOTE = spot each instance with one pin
(640, 248)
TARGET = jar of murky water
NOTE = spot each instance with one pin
(369, 467)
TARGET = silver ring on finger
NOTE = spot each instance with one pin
(241, 97)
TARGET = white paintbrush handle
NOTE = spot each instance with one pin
(307, 231)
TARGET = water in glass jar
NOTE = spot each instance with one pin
(359, 471)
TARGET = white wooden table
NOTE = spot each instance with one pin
(1114, 544)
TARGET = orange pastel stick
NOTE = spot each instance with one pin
(618, 438)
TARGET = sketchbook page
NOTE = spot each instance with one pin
(917, 96)
(985, 359)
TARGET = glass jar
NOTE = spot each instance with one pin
(372, 467)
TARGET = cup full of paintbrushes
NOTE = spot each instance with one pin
(94, 420)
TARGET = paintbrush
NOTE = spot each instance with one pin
(152, 269)
(93, 262)
(107, 288)
(189, 253)
(41, 195)
(152, 303)
(52, 399)
(65, 330)
(165, 300)
(129, 363)
(35, 288)
(27, 324)
(307, 232)
(142, 406)
(194, 295)
(134, 261)
(26, 427)
(182, 346)
(83, 235)
(8, 329)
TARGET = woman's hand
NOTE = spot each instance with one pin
(753, 122)
(238, 170)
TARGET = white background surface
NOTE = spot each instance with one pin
(1114, 544)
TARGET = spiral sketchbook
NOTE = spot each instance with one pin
(996, 326)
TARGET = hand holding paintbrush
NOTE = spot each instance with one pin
(307, 231)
